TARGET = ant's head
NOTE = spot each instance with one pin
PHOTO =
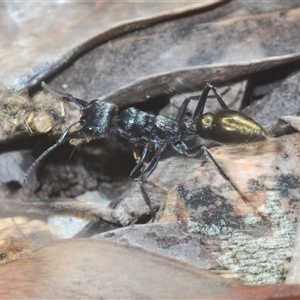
(95, 122)
(96, 119)
(97, 115)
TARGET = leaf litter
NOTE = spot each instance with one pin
(227, 222)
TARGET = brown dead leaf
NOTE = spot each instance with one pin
(216, 30)
(167, 239)
(94, 269)
(71, 28)
(20, 236)
(253, 235)
(175, 53)
(182, 55)
(56, 205)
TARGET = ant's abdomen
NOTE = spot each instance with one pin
(230, 127)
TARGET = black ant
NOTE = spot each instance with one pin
(155, 133)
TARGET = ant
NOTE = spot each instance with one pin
(155, 133)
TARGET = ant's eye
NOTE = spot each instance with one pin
(88, 130)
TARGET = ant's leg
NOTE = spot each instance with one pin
(221, 171)
(148, 202)
(133, 174)
(151, 167)
(139, 165)
(143, 178)
(159, 148)
(182, 148)
(202, 101)
(218, 96)
(201, 104)
(182, 109)
(66, 97)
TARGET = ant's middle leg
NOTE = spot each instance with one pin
(145, 174)
(139, 165)
(141, 181)
(153, 163)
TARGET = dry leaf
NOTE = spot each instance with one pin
(182, 55)
(251, 232)
(20, 236)
(167, 239)
(163, 53)
(71, 29)
(94, 269)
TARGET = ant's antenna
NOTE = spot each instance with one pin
(66, 97)
(45, 153)
(46, 87)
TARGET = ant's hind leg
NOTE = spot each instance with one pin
(182, 109)
(182, 148)
(221, 171)
(203, 98)
(218, 96)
